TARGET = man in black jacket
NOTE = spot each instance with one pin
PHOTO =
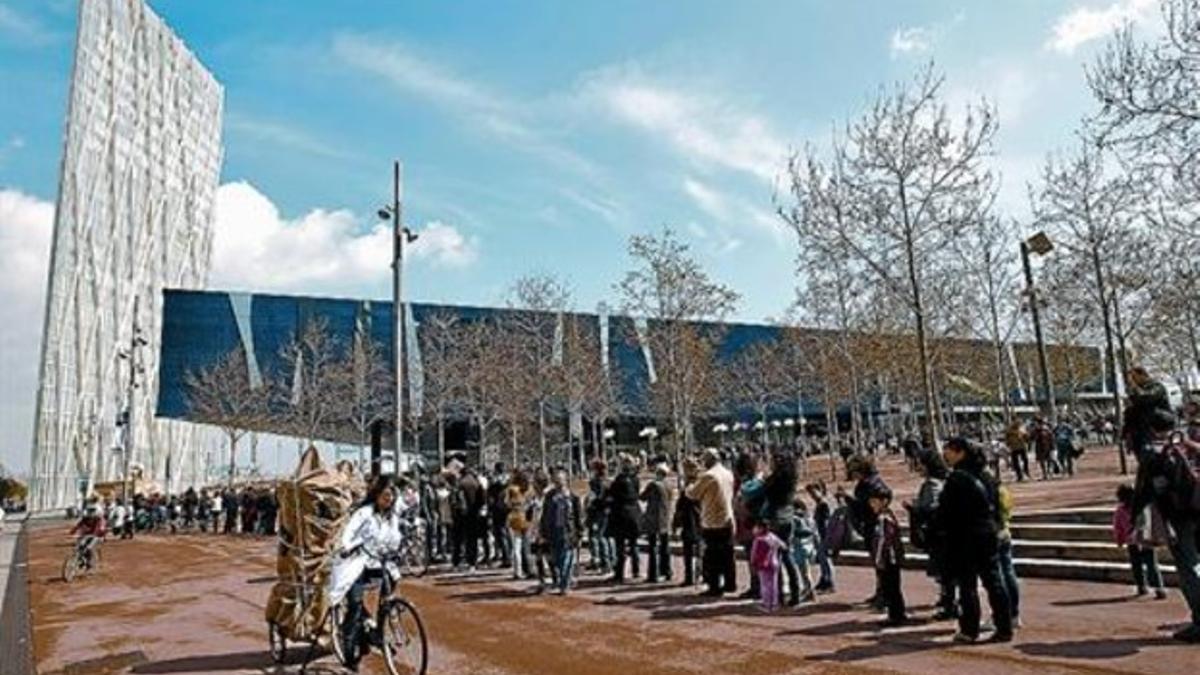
(968, 517)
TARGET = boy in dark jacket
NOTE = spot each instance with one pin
(888, 555)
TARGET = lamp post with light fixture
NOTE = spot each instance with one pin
(1039, 244)
(400, 237)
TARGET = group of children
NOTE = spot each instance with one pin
(805, 548)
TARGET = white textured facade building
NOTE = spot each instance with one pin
(136, 204)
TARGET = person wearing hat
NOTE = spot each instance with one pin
(713, 491)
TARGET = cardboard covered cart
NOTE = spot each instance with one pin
(313, 505)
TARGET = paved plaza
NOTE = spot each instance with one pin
(194, 604)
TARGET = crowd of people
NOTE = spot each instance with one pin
(248, 510)
(751, 500)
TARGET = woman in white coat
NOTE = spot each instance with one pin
(370, 535)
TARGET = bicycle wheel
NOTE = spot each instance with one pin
(405, 648)
(415, 562)
(335, 634)
(70, 567)
(276, 641)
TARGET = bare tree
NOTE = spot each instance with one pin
(362, 382)
(542, 300)
(754, 378)
(987, 256)
(669, 289)
(222, 395)
(439, 334)
(898, 188)
(1091, 214)
(308, 384)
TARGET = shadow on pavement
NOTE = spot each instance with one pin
(492, 595)
(216, 663)
(1089, 602)
(887, 644)
(1105, 648)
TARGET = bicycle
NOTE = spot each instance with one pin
(413, 559)
(79, 559)
(395, 627)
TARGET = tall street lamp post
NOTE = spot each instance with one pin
(400, 236)
(1039, 244)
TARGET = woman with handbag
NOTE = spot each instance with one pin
(1135, 533)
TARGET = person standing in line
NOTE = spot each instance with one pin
(656, 524)
(925, 534)
(686, 521)
(560, 525)
(538, 547)
(822, 512)
(713, 490)
(602, 555)
(498, 514)
(888, 556)
(624, 518)
(1017, 440)
(766, 549)
(1143, 561)
(748, 486)
(516, 501)
(804, 547)
(1169, 478)
(968, 516)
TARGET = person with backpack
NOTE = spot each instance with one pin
(925, 533)
(968, 516)
(1169, 478)
(1065, 447)
(1148, 414)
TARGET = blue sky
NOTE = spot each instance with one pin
(536, 136)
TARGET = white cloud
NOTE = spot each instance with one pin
(912, 40)
(25, 29)
(709, 200)
(702, 129)
(26, 225)
(282, 135)
(483, 109)
(323, 251)
(1084, 24)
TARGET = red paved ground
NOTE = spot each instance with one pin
(194, 604)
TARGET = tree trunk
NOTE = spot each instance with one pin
(1110, 354)
(542, 430)
(232, 459)
(441, 432)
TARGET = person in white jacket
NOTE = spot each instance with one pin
(370, 535)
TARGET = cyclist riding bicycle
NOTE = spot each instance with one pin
(365, 556)
(88, 532)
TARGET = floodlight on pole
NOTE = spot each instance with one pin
(1039, 244)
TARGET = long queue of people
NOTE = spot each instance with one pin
(718, 504)
(250, 510)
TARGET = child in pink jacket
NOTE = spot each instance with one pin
(1142, 558)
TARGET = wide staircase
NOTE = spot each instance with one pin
(1060, 544)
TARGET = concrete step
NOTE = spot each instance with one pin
(1093, 515)
(1078, 550)
(1037, 568)
(1062, 532)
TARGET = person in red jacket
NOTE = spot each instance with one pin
(88, 532)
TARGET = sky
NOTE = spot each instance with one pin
(536, 137)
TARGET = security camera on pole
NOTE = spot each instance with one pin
(400, 236)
